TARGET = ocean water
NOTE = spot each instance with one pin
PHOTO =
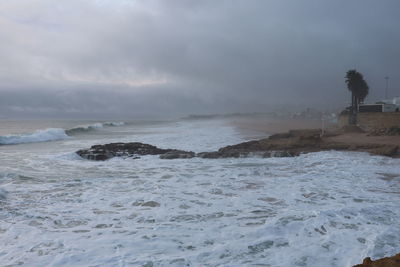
(56, 209)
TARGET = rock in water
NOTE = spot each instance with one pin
(107, 151)
(178, 154)
(151, 204)
(209, 155)
(384, 262)
(290, 144)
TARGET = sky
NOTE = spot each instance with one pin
(105, 58)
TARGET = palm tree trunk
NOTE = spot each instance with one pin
(356, 100)
(353, 110)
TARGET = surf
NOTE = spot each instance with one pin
(54, 134)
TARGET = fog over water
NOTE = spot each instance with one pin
(74, 58)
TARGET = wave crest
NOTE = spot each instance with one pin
(116, 123)
(51, 134)
(87, 128)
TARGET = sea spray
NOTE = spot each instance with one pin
(51, 134)
(88, 128)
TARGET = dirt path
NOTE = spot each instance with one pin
(363, 138)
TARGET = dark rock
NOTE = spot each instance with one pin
(384, 262)
(107, 151)
(228, 153)
(288, 144)
(152, 204)
(233, 153)
(96, 156)
(133, 150)
(209, 155)
(389, 151)
(178, 154)
(305, 133)
(246, 146)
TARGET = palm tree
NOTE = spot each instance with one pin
(359, 91)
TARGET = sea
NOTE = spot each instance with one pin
(318, 209)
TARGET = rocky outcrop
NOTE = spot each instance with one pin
(290, 144)
(135, 149)
(296, 142)
(178, 154)
(385, 131)
(386, 150)
(384, 262)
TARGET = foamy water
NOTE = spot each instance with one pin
(320, 209)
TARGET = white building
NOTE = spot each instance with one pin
(388, 105)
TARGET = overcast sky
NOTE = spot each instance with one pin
(75, 58)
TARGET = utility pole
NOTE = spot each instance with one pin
(387, 87)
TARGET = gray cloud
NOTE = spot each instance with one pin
(157, 57)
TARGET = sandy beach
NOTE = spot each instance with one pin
(269, 125)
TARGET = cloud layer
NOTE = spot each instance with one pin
(185, 56)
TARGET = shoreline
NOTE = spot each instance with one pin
(288, 144)
(331, 138)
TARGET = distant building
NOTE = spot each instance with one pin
(384, 114)
(392, 105)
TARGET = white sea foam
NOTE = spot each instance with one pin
(51, 134)
(319, 209)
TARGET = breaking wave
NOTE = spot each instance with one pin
(53, 134)
(82, 129)
(88, 128)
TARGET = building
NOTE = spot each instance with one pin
(384, 114)
(392, 105)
